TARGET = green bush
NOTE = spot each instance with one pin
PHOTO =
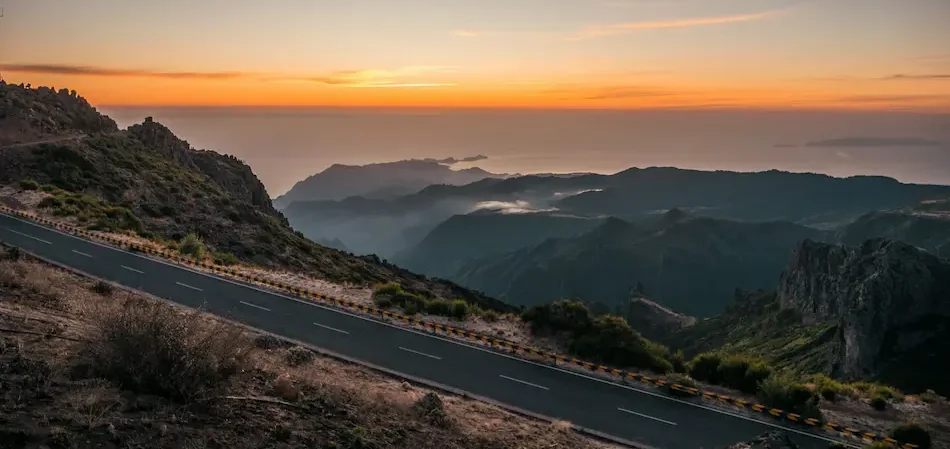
(383, 302)
(879, 402)
(886, 392)
(192, 245)
(783, 393)
(437, 306)
(609, 339)
(226, 259)
(411, 309)
(678, 360)
(732, 370)
(390, 289)
(29, 184)
(757, 373)
(559, 316)
(829, 388)
(458, 309)
(912, 433)
(705, 367)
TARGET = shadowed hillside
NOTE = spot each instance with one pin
(148, 181)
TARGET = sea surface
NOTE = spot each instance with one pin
(285, 145)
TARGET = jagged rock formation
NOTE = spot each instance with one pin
(228, 172)
(33, 114)
(891, 301)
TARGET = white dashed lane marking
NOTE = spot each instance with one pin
(255, 306)
(30, 236)
(420, 353)
(523, 382)
(331, 328)
(188, 286)
(646, 416)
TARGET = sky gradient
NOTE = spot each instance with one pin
(597, 54)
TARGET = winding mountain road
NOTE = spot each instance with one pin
(647, 417)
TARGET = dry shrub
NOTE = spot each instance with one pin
(270, 342)
(93, 404)
(298, 356)
(285, 389)
(103, 288)
(431, 408)
(151, 347)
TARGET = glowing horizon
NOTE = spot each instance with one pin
(572, 54)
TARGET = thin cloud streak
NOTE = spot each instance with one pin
(380, 78)
(630, 27)
(927, 76)
(77, 70)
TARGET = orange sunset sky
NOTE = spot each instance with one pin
(850, 54)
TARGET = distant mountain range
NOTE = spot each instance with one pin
(381, 180)
(388, 226)
(690, 264)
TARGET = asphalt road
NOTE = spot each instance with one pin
(626, 412)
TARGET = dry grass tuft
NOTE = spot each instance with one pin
(153, 348)
(93, 405)
(561, 426)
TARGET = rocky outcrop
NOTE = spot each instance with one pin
(28, 115)
(654, 321)
(890, 299)
(770, 440)
(228, 172)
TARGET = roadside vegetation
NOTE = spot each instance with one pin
(85, 370)
(392, 295)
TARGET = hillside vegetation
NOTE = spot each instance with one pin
(689, 264)
(148, 181)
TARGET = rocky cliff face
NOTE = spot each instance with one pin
(228, 172)
(654, 321)
(891, 300)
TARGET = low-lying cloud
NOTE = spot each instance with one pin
(511, 207)
(452, 160)
(560, 195)
(857, 142)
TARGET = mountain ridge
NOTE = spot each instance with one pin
(146, 180)
(381, 179)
